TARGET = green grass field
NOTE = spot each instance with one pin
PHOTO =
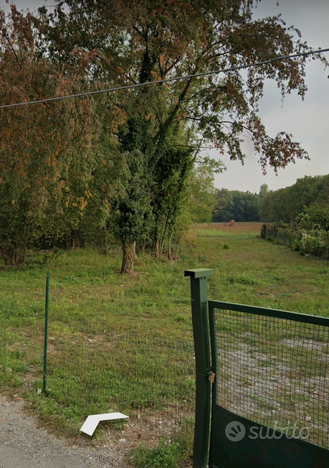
(125, 342)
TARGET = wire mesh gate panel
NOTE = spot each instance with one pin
(271, 393)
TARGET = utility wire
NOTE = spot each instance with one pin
(177, 78)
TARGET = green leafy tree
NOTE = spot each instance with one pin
(224, 210)
(287, 203)
(233, 204)
(263, 191)
(203, 200)
(45, 150)
(130, 207)
(123, 43)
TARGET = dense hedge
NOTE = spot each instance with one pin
(307, 242)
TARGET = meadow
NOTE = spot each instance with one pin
(125, 343)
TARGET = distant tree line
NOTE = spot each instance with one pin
(237, 205)
(309, 195)
(307, 200)
(299, 216)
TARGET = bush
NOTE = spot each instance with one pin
(314, 243)
(307, 242)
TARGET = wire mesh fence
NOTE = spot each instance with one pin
(271, 370)
(93, 368)
(275, 372)
(150, 378)
(21, 351)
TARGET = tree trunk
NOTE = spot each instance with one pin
(164, 231)
(157, 248)
(169, 248)
(128, 257)
(106, 239)
(67, 242)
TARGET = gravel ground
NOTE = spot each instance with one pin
(23, 444)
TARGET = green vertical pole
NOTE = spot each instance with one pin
(44, 387)
(202, 363)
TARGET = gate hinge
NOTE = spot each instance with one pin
(211, 377)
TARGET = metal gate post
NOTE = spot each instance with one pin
(44, 386)
(202, 363)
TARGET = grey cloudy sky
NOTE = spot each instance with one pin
(307, 121)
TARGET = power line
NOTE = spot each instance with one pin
(166, 80)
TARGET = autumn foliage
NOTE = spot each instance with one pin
(121, 162)
(45, 150)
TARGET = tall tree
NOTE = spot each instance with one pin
(287, 203)
(202, 194)
(45, 150)
(122, 42)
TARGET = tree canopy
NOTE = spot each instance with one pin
(236, 205)
(154, 133)
(46, 150)
(308, 194)
(129, 42)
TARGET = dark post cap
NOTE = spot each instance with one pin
(198, 272)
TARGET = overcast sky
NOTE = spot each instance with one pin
(307, 121)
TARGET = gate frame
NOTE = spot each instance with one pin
(204, 341)
(200, 320)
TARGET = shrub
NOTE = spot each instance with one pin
(306, 241)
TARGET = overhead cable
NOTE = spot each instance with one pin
(166, 80)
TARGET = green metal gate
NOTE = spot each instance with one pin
(262, 384)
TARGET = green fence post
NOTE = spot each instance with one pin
(44, 387)
(202, 362)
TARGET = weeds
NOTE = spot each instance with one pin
(165, 455)
(118, 342)
(168, 453)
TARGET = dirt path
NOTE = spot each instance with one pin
(23, 444)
